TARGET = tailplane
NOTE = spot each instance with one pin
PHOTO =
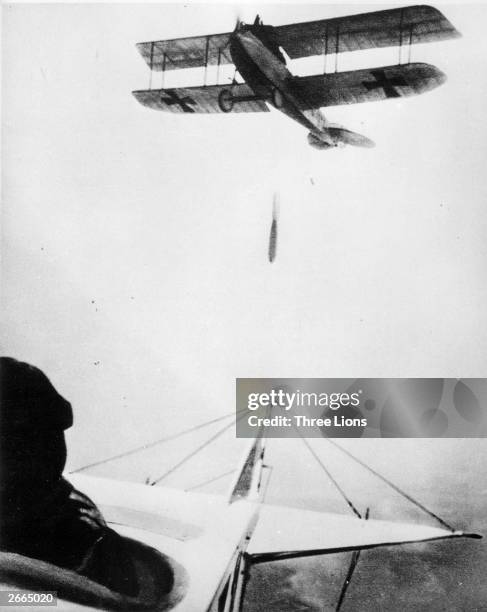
(336, 136)
(351, 138)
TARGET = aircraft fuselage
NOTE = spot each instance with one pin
(269, 77)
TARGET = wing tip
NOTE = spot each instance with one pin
(450, 29)
(471, 535)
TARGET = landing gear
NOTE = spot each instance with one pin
(277, 99)
(225, 101)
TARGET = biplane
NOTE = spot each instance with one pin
(193, 552)
(258, 53)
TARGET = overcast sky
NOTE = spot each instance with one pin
(135, 267)
(135, 241)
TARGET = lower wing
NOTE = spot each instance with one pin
(367, 85)
(207, 99)
(286, 533)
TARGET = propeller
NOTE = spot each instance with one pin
(238, 22)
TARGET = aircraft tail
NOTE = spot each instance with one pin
(335, 136)
(345, 136)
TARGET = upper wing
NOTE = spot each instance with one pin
(199, 99)
(284, 533)
(366, 85)
(186, 52)
(415, 24)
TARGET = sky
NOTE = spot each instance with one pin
(134, 243)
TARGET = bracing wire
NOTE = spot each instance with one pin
(268, 480)
(351, 569)
(209, 481)
(392, 485)
(196, 451)
(330, 476)
(148, 445)
(348, 579)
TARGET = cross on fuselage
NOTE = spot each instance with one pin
(175, 99)
(388, 85)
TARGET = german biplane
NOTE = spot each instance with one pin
(193, 552)
(258, 53)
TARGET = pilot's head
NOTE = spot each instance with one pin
(33, 418)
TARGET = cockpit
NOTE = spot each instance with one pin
(160, 583)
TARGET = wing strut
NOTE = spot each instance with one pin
(351, 569)
(151, 66)
(218, 66)
(337, 47)
(326, 50)
(163, 78)
(206, 58)
(151, 62)
(401, 39)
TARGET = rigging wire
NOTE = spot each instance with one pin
(215, 478)
(207, 482)
(330, 476)
(348, 579)
(151, 444)
(393, 486)
(268, 479)
(196, 451)
(351, 569)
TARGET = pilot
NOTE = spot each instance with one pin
(42, 515)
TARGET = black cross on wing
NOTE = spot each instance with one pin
(387, 84)
(175, 99)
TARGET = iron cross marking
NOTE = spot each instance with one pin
(175, 99)
(388, 85)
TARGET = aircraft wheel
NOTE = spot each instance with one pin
(225, 100)
(277, 98)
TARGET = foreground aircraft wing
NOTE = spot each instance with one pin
(367, 85)
(191, 52)
(199, 99)
(285, 533)
(389, 28)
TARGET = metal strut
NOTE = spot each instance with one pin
(351, 569)
(151, 64)
(401, 21)
(218, 66)
(206, 58)
(163, 78)
(326, 50)
(337, 47)
(410, 42)
(401, 38)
